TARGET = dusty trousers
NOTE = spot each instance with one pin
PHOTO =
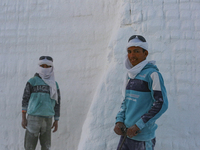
(38, 128)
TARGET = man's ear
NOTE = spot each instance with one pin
(146, 53)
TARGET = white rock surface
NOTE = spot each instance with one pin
(76, 34)
(87, 41)
(171, 30)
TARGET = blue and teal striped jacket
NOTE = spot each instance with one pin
(145, 101)
(36, 99)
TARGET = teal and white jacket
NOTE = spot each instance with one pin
(145, 101)
(36, 99)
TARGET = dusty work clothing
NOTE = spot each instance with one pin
(41, 108)
(38, 127)
(36, 99)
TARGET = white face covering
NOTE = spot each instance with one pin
(134, 70)
(47, 75)
(45, 72)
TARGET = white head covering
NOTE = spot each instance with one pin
(138, 43)
(47, 75)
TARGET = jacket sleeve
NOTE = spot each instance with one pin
(121, 114)
(26, 96)
(57, 107)
(160, 104)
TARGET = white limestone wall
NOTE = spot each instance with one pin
(172, 29)
(87, 40)
(76, 34)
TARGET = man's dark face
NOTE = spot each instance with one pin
(45, 66)
(136, 55)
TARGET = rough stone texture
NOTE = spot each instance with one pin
(171, 28)
(76, 34)
(87, 39)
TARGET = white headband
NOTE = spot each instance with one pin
(45, 61)
(136, 42)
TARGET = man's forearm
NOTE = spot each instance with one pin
(23, 115)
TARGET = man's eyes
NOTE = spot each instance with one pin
(135, 51)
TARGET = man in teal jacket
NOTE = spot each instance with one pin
(145, 99)
(41, 101)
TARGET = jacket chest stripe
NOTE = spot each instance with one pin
(137, 85)
(41, 89)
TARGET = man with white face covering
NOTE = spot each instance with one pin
(41, 101)
(145, 99)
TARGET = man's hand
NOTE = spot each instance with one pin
(55, 126)
(24, 123)
(132, 131)
(119, 127)
(24, 120)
